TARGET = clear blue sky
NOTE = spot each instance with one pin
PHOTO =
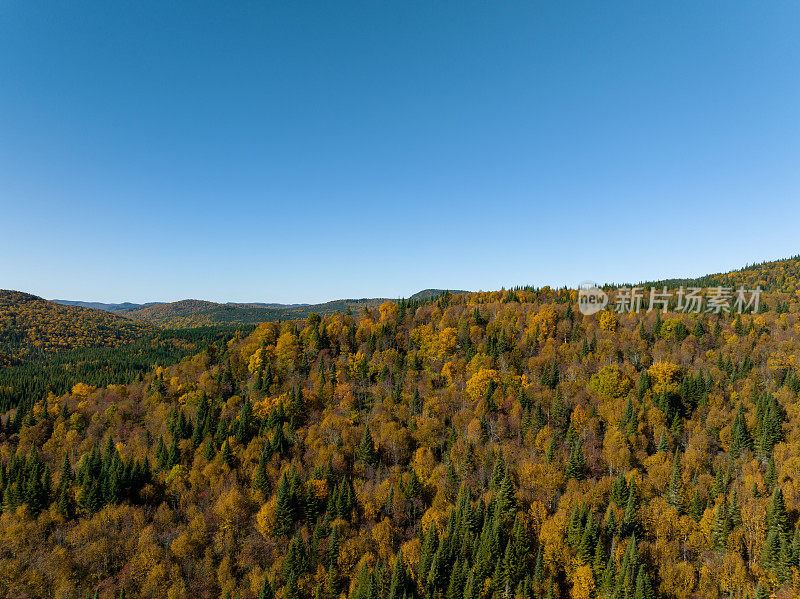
(296, 151)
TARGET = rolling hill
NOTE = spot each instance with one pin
(194, 313)
(48, 347)
(774, 275)
(31, 326)
(191, 313)
(102, 306)
(468, 446)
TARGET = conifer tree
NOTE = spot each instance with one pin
(576, 465)
(663, 444)
(366, 449)
(740, 436)
(777, 518)
(226, 454)
(630, 521)
(397, 587)
(675, 490)
(174, 454)
(265, 592)
(284, 508)
(260, 478)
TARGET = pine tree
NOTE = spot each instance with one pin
(332, 583)
(576, 466)
(397, 587)
(663, 444)
(588, 541)
(761, 592)
(284, 507)
(698, 330)
(629, 422)
(296, 562)
(506, 502)
(260, 478)
(619, 491)
(174, 455)
(721, 526)
(244, 423)
(777, 518)
(772, 548)
(210, 451)
(770, 476)
(226, 454)
(675, 491)
(630, 520)
(740, 436)
(266, 589)
(644, 589)
(366, 449)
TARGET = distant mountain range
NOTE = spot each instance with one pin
(32, 326)
(191, 313)
(101, 306)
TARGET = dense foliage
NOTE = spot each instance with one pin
(57, 371)
(776, 275)
(493, 444)
(196, 313)
(31, 327)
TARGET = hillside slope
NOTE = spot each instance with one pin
(480, 446)
(775, 275)
(31, 326)
(100, 305)
(190, 313)
(194, 313)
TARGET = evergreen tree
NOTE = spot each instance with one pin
(397, 588)
(576, 466)
(630, 521)
(284, 508)
(740, 436)
(777, 518)
(675, 491)
(266, 589)
(174, 454)
(663, 444)
(366, 449)
(260, 477)
(226, 454)
(644, 589)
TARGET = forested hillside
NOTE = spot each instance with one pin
(47, 347)
(776, 275)
(484, 445)
(197, 313)
(57, 372)
(31, 326)
(194, 313)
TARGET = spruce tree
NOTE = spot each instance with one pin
(226, 454)
(397, 587)
(630, 520)
(675, 490)
(174, 454)
(266, 589)
(576, 465)
(740, 436)
(777, 518)
(284, 507)
(366, 449)
(260, 478)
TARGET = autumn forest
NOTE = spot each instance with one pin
(477, 445)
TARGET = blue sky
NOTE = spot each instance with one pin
(295, 151)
